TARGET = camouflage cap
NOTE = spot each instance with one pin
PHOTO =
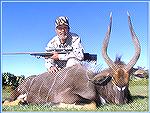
(62, 20)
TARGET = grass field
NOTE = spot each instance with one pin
(139, 92)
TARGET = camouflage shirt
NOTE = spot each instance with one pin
(70, 58)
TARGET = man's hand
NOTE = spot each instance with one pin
(52, 69)
(55, 56)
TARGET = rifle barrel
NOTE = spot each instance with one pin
(32, 53)
(46, 53)
(16, 53)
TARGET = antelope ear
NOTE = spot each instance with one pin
(103, 81)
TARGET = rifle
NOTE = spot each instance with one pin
(47, 54)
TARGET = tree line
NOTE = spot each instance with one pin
(9, 79)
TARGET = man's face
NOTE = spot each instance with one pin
(62, 32)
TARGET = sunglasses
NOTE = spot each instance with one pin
(62, 27)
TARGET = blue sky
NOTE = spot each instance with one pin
(28, 26)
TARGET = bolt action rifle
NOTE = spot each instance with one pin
(46, 54)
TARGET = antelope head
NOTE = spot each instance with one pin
(120, 73)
